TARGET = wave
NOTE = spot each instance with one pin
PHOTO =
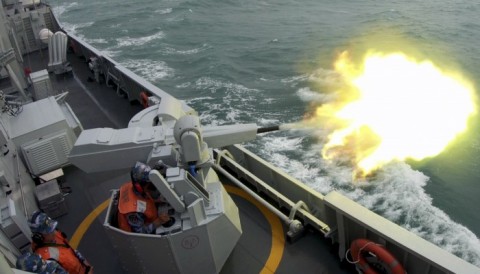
(214, 85)
(163, 11)
(322, 77)
(149, 69)
(138, 41)
(62, 8)
(73, 28)
(111, 52)
(96, 41)
(294, 80)
(222, 102)
(172, 51)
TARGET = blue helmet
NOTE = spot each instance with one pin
(41, 223)
(34, 263)
(139, 173)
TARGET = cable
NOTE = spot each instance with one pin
(12, 108)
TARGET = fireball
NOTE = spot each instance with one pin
(396, 108)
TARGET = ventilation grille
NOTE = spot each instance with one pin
(47, 154)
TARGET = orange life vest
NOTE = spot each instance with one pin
(62, 253)
(129, 202)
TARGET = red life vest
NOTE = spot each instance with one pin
(129, 202)
(62, 253)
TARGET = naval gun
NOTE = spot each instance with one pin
(206, 223)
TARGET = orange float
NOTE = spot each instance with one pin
(144, 99)
(360, 247)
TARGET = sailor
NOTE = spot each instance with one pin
(52, 244)
(94, 66)
(137, 206)
(33, 262)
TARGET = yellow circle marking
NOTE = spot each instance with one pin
(82, 228)
(278, 240)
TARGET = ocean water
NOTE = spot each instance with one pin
(267, 61)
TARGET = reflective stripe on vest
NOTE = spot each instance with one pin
(64, 256)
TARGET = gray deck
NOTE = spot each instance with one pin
(310, 254)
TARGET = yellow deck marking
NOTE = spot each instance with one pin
(278, 239)
(82, 228)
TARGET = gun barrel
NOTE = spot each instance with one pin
(268, 129)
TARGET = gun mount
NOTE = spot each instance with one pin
(207, 223)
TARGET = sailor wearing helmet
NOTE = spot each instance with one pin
(52, 244)
(137, 211)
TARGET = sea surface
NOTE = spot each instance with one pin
(267, 61)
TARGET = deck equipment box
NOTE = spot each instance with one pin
(50, 199)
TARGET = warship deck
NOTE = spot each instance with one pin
(263, 246)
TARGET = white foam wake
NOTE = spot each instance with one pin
(396, 192)
(174, 51)
(231, 103)
(163, 11)
(149, 69)
(138, 41)
(61, 9)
